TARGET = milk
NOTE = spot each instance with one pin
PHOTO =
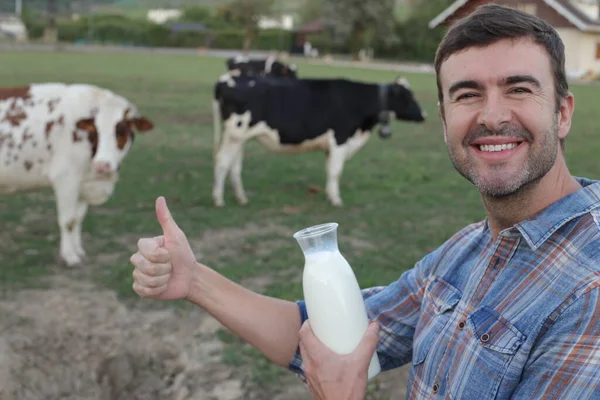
(335, 306)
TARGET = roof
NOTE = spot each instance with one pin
(563, 7)
(312, 27)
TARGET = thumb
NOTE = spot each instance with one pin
(368, 344)
(168, 224)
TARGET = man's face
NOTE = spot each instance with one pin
(501, 124)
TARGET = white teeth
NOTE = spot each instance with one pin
(497, 147)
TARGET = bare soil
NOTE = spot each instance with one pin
(77, 340)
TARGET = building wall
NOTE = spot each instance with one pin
(590, 51)
(572, 39)
(581, 49)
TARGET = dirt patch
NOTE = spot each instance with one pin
(78, 341)
(260, 240)
(221, 244)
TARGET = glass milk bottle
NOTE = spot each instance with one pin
(334, 303)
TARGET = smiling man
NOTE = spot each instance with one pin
(507, 308)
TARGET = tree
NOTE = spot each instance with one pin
(204, 15)
(312, 10)
(50, 31)
(247, 13)
(356, 20)
(417, 40)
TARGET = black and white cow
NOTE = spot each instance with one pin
(336, 116)
(269, 66)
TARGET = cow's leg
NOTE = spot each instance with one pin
(229, 149)
(82, 208)
(335, 166)
(66, 190)
(236, 177)
(338, 155)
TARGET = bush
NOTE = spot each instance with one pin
(227, 39)
(122, 30)
(273, 39)
(417, 41)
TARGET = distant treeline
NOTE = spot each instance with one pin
(417, 42)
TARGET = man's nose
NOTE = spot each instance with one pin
(495, 113)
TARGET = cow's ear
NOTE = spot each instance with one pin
(86, 124)
(142, 124)
(403, 82)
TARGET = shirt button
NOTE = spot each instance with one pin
(461, 324)
(436, 387)
(485, 337)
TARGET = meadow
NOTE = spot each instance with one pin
(402, 196)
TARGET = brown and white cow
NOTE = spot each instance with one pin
(71, 137)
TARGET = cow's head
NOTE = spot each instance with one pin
(403, 103)
(280, 69)
(111, 132)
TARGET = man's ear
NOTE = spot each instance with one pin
(565, 115)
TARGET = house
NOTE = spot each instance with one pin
(285, 22)
(12, 28)
(162, 15)
(576, 22)
(301, 37)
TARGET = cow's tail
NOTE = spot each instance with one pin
(216, 111)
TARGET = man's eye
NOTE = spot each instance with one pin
(466, 96)
(521, 90)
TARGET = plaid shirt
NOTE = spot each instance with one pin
(518, 317)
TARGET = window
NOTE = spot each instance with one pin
(527, 7)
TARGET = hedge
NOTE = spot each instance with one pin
(417, 42)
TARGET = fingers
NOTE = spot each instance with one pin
(152, 249)
(365, 348)
(368, 344)
(151, 281)
(144, 291)
(147, 267)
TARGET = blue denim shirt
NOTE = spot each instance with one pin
(518, 317)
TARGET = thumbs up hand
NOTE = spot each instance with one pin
(164, 265)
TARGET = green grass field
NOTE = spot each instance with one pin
(402, 196)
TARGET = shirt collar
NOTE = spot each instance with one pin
(539, 227)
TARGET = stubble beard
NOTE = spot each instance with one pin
(539, 161)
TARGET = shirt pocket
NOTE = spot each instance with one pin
(439, 302)
(482, 357)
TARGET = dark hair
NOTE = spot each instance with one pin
(492, 22)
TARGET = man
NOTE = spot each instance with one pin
(507, 307)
